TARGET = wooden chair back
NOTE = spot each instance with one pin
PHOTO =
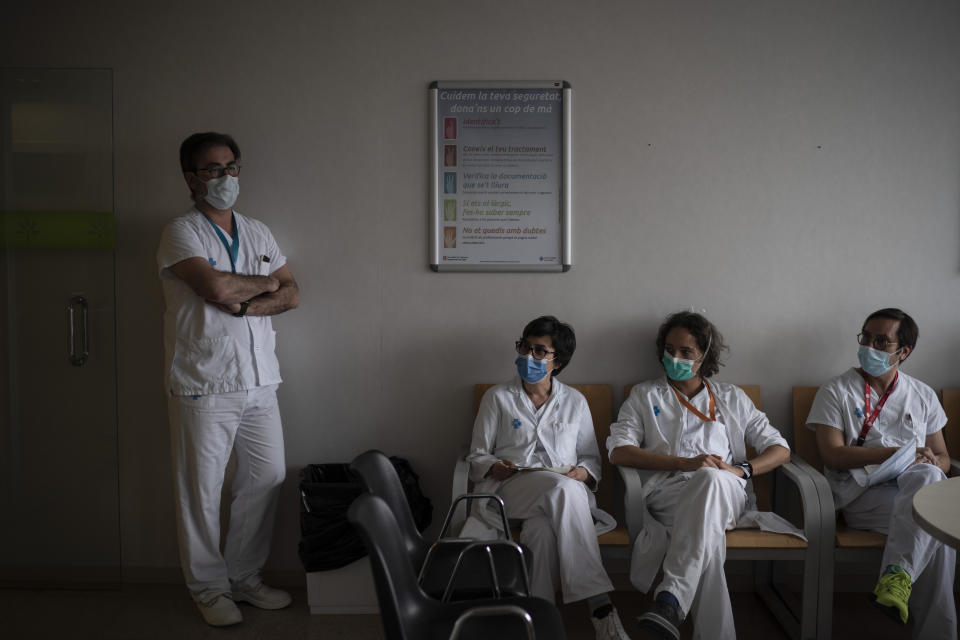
(804, 440)
(951, 432)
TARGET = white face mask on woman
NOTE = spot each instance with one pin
(222, 192)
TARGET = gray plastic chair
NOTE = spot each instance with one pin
(480, 570)
(408, 613)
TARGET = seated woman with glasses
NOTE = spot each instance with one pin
(533, 444)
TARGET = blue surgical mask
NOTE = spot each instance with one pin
(531, 369)
(678, 369)
(875, 362)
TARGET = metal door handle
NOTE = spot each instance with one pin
(75, 359)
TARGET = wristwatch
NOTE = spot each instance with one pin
(243, 309)
(747, 469)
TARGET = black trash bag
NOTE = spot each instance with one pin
(420, 505)
(328, 540)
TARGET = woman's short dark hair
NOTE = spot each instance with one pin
(562, 335)
(196, 144)
(703, 332)
(907, 330)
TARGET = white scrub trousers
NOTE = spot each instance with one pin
(203, 432)
(888, 508)
(697, 510)
(559, 531)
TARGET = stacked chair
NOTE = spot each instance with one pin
(448, 588)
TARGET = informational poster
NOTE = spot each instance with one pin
(500, 176)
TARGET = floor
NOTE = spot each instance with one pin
(162, 612)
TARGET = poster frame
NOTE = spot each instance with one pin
(435, 198)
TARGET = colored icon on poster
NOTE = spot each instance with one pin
(449, 210)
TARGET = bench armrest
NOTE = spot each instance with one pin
(798, 472)
(461, 485)
(828, 518)
(634, 504)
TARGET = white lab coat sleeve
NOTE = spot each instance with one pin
(758, 432)
(588, 454)
(827, 408)
(178, 242)
(935, 418)
(628, 429)
(277, 259)
(484, 439)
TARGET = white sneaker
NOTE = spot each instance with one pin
(609, 627)
(254, 591)
(220, 612)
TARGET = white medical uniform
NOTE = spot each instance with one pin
(222, 376)
(692, 510)
(557, 512)
(910, 414)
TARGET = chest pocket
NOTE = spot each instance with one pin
(705, 437)
(717, 440)
(253, 264)
(564, 441)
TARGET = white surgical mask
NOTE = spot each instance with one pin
(222, 192)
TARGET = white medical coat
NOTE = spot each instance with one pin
(507, 428)
(653, 418)
(207, 350)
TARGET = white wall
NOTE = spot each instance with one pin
(787, 166)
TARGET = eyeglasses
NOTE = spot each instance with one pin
(880, 343)
(218, 171)
(540, 352)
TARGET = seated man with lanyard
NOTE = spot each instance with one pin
(876, 414)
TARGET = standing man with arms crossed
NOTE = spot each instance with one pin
(864, 417)
(223, 277)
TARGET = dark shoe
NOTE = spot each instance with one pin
(660, 620)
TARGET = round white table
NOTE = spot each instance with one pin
(936, 508)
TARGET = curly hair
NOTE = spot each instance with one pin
(709, 340)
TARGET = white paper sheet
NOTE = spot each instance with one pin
(874, 474)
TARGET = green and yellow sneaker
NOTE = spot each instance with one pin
(892, 593)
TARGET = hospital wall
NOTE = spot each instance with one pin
(788, 167)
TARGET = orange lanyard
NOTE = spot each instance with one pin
(693, 409)
(870, 418)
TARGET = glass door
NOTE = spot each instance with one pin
(58, 391)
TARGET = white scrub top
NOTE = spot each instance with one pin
(208, 350)
(910, 414)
